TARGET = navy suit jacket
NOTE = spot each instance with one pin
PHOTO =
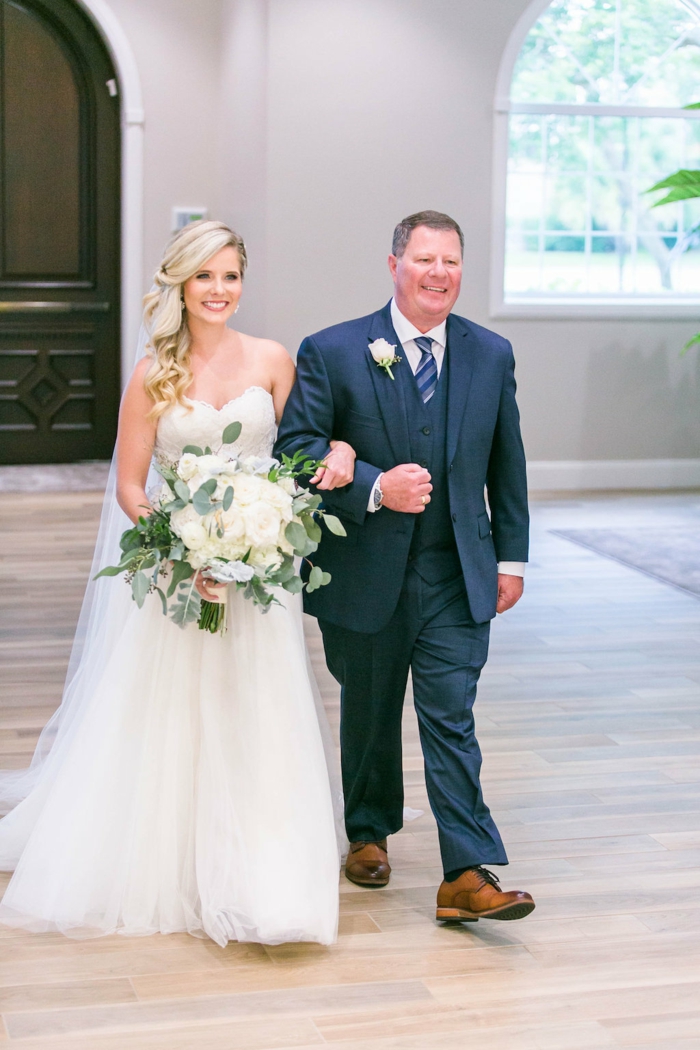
(341, 393)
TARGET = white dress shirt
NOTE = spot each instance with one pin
(407, 333)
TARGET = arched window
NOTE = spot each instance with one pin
(595, 116)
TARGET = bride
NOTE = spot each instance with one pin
(182, 784)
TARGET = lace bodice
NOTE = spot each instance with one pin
(202, 424)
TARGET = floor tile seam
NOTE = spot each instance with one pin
(563, 991)
(470, 1013)
(322, 1039)
(5, 988)
(165, 1025)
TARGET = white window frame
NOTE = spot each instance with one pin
(591, 307)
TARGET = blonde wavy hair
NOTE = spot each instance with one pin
(165, 319)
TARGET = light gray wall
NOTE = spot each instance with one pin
(177, 46)
(314, 125)
(380, 107)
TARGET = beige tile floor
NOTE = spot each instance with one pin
(589, 718)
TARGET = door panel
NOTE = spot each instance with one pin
(41, 145)
(59, 243)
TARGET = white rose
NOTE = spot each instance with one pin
(246, 489)
(268, 558)
(180, 518)
(187, 467)
(381, 350)
(193, 535)
(233, 524)
(210, 465)
(278, 498)
(224, 482)
(262, 524)
(289, 485)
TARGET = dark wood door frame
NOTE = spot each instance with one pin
(60, 323)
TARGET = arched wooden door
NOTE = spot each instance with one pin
(59, 235)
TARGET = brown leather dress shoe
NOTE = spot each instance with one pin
(367, 864)
(477, 895)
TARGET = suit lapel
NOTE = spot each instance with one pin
(390, 393)
(461, 367)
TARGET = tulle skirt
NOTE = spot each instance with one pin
(190, 791)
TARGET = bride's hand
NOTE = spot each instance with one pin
(338, 469)
(209, 590)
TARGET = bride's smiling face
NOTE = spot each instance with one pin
(212, 293)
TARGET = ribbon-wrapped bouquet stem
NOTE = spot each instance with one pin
(232, 520)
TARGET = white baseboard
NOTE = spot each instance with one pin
(568, 475)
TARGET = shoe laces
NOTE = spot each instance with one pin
(487, 876)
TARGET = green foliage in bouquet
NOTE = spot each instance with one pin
(152, 548)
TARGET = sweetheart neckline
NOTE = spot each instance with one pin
(208, 404)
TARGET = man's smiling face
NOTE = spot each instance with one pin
(427, 277)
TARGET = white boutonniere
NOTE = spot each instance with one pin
(383, 354)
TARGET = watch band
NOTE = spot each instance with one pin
(378, 494)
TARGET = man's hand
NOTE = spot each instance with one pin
(510, 591)
(338, 469)
(406, 488)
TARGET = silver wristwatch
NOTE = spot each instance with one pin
(378, 494)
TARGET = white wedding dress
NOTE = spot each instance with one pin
(189, 788)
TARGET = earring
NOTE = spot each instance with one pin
(182, 302)
(237, 309)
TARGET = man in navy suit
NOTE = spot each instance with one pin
(423, 568)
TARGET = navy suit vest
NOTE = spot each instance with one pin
(433, 552)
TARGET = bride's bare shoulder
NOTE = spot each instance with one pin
(267, 349)
(274, 357)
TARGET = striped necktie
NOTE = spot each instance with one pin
(426, 373)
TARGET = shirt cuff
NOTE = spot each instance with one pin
(511, 568)
(370, 506)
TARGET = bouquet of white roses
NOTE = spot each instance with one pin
(237, 521)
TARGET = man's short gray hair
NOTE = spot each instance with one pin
(435, 220)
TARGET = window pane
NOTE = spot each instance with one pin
(640, 52)
(525, 144)
(566, 202)
(567, 143)
(594, 230)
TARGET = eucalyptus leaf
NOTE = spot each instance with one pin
(334, 525)
(228, 498)
(231, 433)
(294, 586)
(110, 570)
(166, 472)
(194, 450)
(182, 570)
(326, 579)
(140, 586)
(182, 490)
(164, 602)
(296, 534)
(201, 502)
(315, 579)
(170, 508)
(285, 571)
(313, 530)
